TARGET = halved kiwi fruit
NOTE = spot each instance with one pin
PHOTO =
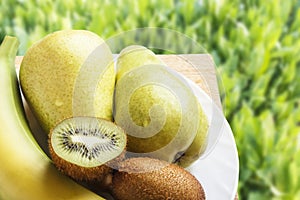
(86, 148)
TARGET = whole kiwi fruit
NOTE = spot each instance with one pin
(86, 148)
(147, 178)
(68, 73)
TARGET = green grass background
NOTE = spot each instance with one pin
(255, 45)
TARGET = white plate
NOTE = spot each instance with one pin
(218, 169)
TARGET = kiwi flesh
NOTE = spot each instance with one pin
(86, 148)
(148, 178)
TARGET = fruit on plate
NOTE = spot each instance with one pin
(148, 178)
(87, 148)
(68, 73)
(25, 171)
(157, 109)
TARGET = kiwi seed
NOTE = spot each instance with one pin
(86, 148)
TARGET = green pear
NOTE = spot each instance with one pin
(198, 146)
(134, 56)
(68, 73)
(157, 109)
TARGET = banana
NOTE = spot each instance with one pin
(25, 171)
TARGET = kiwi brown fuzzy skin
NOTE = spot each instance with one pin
(147, 178)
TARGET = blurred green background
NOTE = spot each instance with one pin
(255, 45)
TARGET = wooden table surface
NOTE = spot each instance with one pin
(199, 68)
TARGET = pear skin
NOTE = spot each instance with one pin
(199, 144)
(68, 73)
(157, 109)
(134, 56)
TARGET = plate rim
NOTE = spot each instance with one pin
(227, 132)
